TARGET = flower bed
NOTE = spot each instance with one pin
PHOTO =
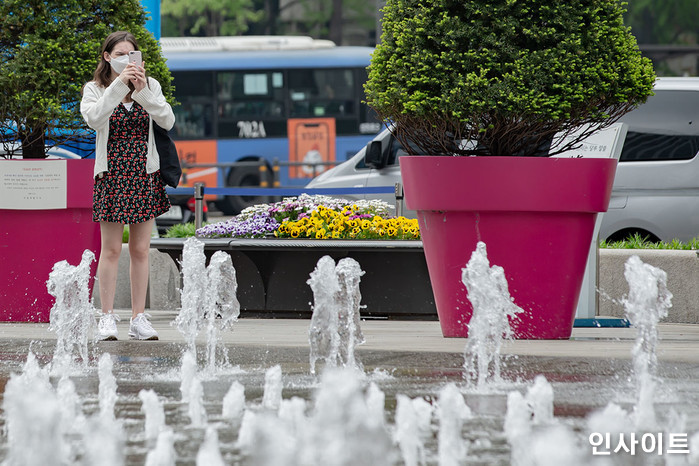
(316, 217)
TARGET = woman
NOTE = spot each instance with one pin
(121, 104)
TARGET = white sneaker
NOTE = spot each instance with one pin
(141, 329)
(106, 328)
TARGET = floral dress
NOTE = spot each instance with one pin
(126, 193)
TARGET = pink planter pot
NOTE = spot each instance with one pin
(536, 217)
(32, 241)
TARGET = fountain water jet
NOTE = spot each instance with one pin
(208, 299)
(647, 303)
(194, 286)
(33, 418)
(272, 397)
(72, 314)
(164, 453)
(153, 410)
(234, 403)
(104, 442)
(335, 331)
(188, 371)
(346, 421)
(452, 411)
(69, 402)
(413, 422)
(221, 304)
(210, 453)
(107, 388)
(531, 429)
(195, 404)
(490, 322)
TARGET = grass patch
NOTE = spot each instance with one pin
(640, 242)
(180, 230)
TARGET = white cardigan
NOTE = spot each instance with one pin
(97, 106)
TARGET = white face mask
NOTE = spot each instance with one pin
(119, 64)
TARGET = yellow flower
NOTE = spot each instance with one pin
(295, 232)
(366, 224)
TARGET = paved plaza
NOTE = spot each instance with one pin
(678, 342)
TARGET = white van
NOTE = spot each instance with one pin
(656, 189)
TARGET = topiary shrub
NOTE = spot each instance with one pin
(505, 75)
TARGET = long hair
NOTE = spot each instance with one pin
(103, 73)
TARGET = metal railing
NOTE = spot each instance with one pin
(263, 168)
(199, 190)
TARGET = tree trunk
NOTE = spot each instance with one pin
(272, 9)
(335, 32)
(33, 144)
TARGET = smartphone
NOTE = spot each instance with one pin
(135, 57)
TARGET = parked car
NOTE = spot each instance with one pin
(656, 188)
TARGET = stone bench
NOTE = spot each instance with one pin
(163, 285)
(682, 268)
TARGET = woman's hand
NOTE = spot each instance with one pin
(135, 75)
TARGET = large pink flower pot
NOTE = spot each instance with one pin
(536, 216)
(32, 241)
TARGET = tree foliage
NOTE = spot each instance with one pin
(48, 51)
(663, 22)
(322, 19)
(211, 17)
(506, 75)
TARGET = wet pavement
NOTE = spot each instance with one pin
(678, 342)
(402, 357)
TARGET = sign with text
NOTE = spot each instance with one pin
(606, 143)
(311, 140)
(33, 184)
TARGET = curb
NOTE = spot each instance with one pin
(682, 268)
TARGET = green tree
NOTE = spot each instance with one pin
(663, 21)
(211, 17)
(325, 19)
(48, 50)
(507, 75)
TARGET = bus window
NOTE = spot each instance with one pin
(322, 92)
(194, 115)
(250, 95)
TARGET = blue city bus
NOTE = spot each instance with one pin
(257, 100)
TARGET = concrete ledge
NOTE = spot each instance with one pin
(164, 283)
(682, 268)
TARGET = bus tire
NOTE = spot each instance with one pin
(244, 177)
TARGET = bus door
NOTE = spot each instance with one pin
(312, 142)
